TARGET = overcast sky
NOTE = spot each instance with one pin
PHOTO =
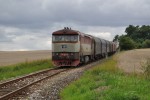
(28, 24)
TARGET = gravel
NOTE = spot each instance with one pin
(50, 89)
(21, 83)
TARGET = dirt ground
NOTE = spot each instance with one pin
(132, 60)
(13, 57)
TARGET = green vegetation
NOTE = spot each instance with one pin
(146, 44)
(136, 37)
(106, 82)
(127, 43)
(23, 68)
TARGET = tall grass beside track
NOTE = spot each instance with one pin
(106, 82)
(23, 68)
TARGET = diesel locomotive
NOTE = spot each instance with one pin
(71, 47)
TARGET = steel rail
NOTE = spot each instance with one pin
(11, 94)
(26, 76)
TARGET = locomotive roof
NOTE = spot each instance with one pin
(65, 31)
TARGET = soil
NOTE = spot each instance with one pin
(132, 61)
(14, 57)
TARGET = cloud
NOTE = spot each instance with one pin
(4, 38)
(23, 39)
(104, 35)
(41, 13)
(28, 24)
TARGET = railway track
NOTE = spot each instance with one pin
(13, 87)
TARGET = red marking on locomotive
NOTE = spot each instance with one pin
(66, 62)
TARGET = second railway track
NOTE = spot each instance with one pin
(10, 88)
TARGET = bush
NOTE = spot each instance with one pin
(146, 69)
(146, 44)
(126, 43)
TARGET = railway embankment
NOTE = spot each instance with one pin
(50, 88)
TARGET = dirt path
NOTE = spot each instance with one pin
(131, 61)
(13, 57)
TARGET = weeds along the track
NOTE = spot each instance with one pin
(107, 82)
(24, 68)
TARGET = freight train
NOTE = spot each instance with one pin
(71, 47)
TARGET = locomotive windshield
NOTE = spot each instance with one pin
(65, 38)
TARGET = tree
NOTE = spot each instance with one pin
(137, 37)
(116, 38)
(139, 34)
(144, 32)
(130, 30)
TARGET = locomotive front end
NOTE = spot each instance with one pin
(65, 48)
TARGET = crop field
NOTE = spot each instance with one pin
(132, 61)
(14, 57)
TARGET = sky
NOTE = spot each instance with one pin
(28, 24)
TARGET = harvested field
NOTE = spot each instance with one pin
(13, 57)
(132, 60)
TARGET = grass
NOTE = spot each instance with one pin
(23, 68)
(106, 82)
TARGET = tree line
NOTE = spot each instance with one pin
(136, 37)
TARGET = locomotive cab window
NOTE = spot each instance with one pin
(65, 38)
